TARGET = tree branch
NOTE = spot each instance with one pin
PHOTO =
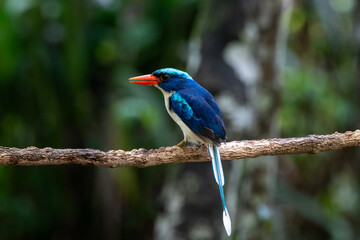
(33, 156)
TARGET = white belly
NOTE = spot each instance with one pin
(189, 135)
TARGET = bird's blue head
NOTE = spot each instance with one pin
(168, 79)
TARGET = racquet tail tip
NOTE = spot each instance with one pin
(227, 222)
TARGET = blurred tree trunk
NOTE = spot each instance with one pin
(244, 75)
(260, 55)
(107, 204)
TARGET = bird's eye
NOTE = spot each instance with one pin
(165, 76)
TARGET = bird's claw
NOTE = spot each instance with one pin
(184, 144)
(181, 144)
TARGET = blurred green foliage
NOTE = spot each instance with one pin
(64, 67)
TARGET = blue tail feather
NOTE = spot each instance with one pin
(219, 178)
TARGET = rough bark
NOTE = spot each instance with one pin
(33, 156)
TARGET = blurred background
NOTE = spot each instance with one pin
(281, 68)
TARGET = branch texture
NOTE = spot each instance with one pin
(33, 156)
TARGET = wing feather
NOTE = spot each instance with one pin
(200, 116)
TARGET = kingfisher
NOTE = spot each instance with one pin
(194, 109)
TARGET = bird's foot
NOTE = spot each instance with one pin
(184, 143)
(181, 144)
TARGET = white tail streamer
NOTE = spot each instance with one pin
(227, 221)
(220, 180)
(216, 165)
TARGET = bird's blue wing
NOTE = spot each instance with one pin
(200, 113)
(181, 107)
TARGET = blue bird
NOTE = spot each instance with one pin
(194, 109)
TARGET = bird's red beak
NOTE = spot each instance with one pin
(148, 79)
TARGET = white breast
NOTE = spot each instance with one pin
(189, 135)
